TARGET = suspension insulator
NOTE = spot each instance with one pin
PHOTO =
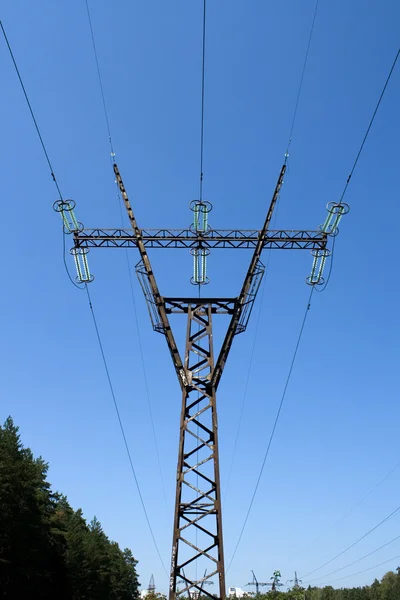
(200, 209)
(318, 266)
(335, 213)
(66, 210)
(199, 266)
(82, 265)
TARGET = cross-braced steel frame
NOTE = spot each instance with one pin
(198, 522)
(197, 533)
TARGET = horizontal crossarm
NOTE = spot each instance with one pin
(219, 306)
(214, 238)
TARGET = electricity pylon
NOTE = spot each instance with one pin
(152, 586)
(197, 530)
(296, 581)
(257, 583)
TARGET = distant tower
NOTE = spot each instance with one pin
(296, 581)
(152, 586)
(296, 584)
(257, 583)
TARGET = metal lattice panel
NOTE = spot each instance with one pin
(197, 537)
(214, 238)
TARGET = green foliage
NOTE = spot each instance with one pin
(47, 550)
(158, 596)
(386, 589)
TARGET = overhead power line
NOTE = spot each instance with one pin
(31, 111)
(269, 252)
(203, 64)
(121, 425)
(356, 561)
(41, 143)
(352, 509)
(370, 125)
(252, 352)
(100, 79)
(354, 543)
(301, 80)
(357, 159)
(365, 570)
(79, 287)
(274, 425)
(119, 199)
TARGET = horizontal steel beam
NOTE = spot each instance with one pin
(216, 305)
(214, 238)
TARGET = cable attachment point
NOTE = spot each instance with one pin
(82, 265)
(199, 266)
(200, 209)
(335, 213)
(66, 210)
(318, 266)
(200, 227)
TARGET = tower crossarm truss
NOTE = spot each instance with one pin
(213, 239)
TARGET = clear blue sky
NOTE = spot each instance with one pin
(338, 433)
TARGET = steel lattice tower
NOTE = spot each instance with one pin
(197, 530)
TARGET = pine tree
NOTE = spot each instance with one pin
(30, 564)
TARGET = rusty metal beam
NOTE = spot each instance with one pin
(213, 239)
(157, 299)
(249, 288)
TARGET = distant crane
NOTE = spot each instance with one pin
(257, 583)
(152, 586)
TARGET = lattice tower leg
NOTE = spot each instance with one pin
(197, 549)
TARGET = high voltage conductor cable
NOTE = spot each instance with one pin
(100, 80)
(65, 205)
(121, 425)
(146, 384)
(354, 543)
(340, 203)
(202, 99)
(308, 306)
(250, 361)
(66, 267)
(126, 253)
(365, 570)
(349, 512)
(337, 209)
(370, 125)
(355, 561)
(301, 81)
(31, 111)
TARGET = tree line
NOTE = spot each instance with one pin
(388, 588)
(47, 549)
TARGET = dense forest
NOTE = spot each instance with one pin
(47, 549)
